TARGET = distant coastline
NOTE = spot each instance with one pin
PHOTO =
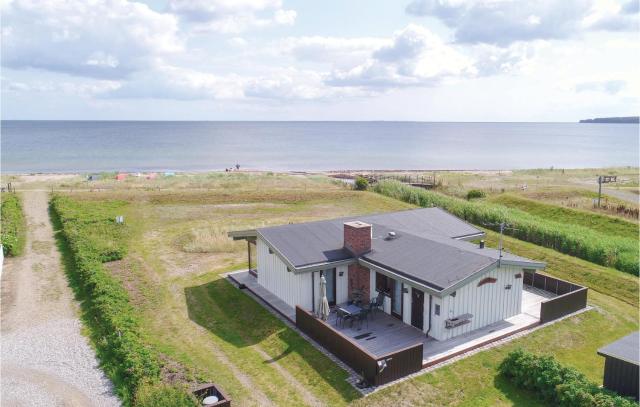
(627, 119)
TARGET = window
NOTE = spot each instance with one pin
(437, 310)
(383, 283)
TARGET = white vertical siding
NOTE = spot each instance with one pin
(488, 303)
(294, 289)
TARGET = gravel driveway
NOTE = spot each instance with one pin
(45, 360)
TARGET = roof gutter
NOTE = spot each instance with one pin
(470, 237)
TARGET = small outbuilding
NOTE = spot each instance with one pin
(121, 176)
(622, 359)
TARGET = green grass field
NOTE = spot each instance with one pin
(601, 223)
(207, 330)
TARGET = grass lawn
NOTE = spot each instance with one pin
(602, 223)
(209, 331)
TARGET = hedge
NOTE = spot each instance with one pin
(556, 384)
(93, 238)
(578, 241)
(13, 225)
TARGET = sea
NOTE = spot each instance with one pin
(95, 146)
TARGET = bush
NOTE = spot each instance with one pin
(475, 193)
(580, 241)
(555, 383)
(94, 237)
(13, 225)
(361, 184)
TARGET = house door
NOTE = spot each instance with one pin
(417, 308)
(330, 276)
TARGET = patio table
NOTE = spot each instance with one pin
(350, 309)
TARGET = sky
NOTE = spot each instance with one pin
(419, 60)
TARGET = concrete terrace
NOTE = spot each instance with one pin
(384, 334)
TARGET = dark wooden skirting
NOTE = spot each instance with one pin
(398, 364)
(570, 297)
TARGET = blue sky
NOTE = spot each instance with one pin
(427, 60)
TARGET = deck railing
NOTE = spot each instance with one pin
(570, 297)
(376, 370)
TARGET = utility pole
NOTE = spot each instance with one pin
(502, 224)
(599, 189)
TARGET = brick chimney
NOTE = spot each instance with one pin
(357, 239)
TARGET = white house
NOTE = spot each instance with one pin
(432, 278)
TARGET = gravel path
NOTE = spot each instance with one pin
(45, 360)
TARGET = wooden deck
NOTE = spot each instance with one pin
(382, 334)
(385, 334)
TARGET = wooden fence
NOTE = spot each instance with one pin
(570, 297)
(398, 364)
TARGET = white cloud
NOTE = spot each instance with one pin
(231, 16)
(414, 56)
(332, 50)
(294, 84)
(102, 39)
(503, 22)
(611, 87)
(171, 82)
(83, 88)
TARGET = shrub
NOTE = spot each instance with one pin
(555, 383)
(575, 240)
(475, 193)
(13, 225)
(361, 184)
(93, 237)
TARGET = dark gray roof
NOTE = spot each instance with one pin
(320, 242)
(627, 349)
(426, 248)
(426, 261)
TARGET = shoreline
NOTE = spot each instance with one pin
(328, 172)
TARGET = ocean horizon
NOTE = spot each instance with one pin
(61, 146)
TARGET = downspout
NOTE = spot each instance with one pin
(313, 291)
(430, 301)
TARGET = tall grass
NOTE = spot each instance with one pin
(599, 223)
(13, 225)
(620, 253)
(211, 239)
(93, 238)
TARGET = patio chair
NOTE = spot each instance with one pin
(363, 316)
(342, 316)
(377, 303)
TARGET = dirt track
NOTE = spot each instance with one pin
(45, 358)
